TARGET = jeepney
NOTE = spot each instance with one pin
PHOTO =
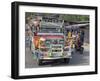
(50, 43)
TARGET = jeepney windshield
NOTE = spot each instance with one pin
(50, 30)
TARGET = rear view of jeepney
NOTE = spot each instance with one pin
(50, 43)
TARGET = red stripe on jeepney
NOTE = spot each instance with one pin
(52, 36)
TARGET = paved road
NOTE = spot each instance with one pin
(77, 59)
(80, 59)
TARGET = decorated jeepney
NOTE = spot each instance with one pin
(50, 42)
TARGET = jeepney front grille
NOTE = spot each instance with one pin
(56, 49)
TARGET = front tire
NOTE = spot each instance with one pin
(66, 60)
(40, 62)
(81, 50)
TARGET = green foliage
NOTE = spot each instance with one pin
(75, 17)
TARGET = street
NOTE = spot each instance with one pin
(80, 59)
(77, 59)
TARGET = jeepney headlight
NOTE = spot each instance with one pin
(40, 55)
(42, 39)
